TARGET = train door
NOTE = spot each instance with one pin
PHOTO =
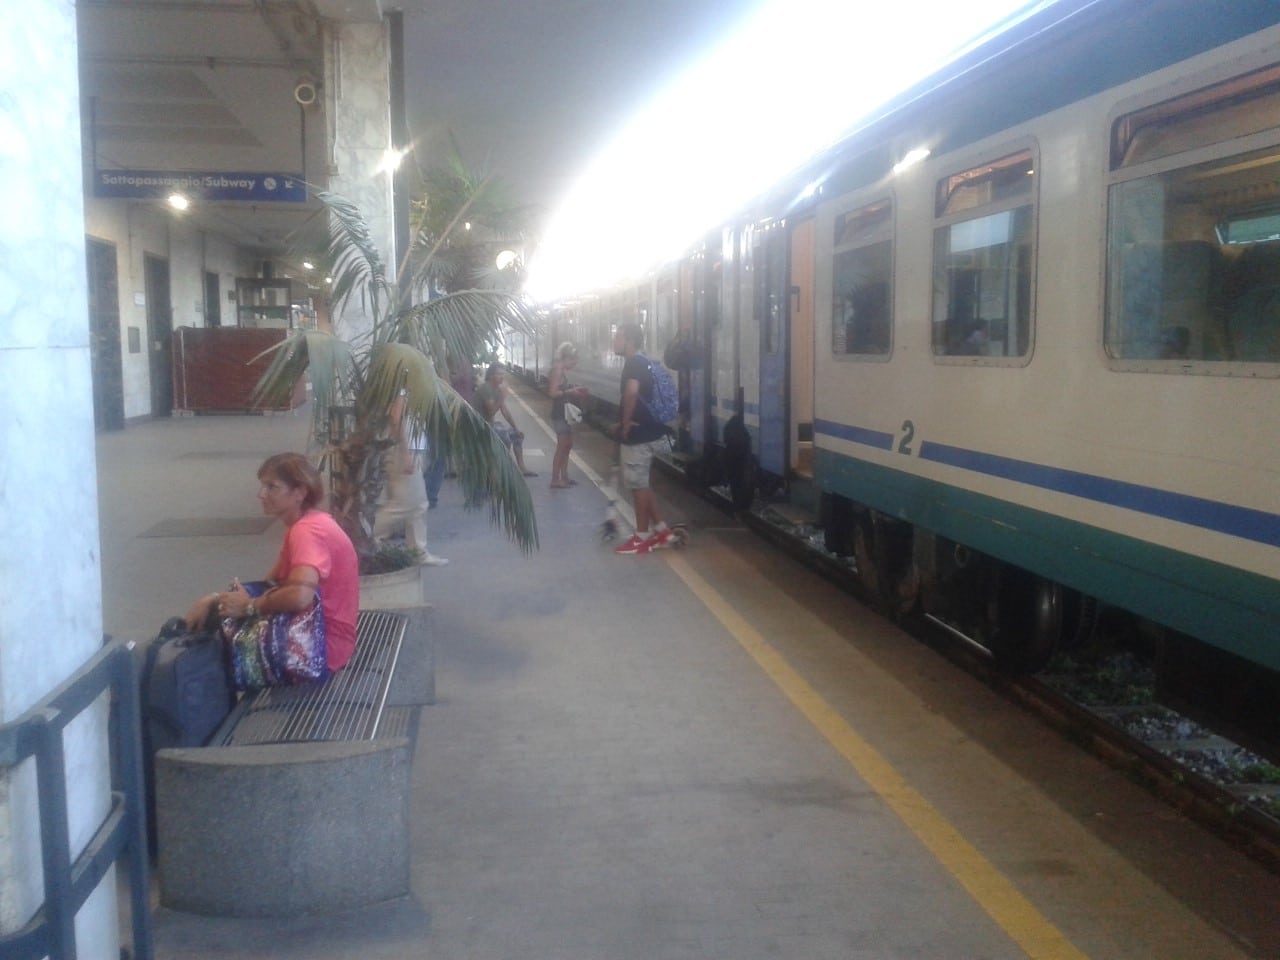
(800, 300)
(722, 365)
(706, 319)
(771, 294)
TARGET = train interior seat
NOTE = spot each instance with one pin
(1171, 295)
(1253, 314)
(1190, 318)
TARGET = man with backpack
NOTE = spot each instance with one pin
(642, 432)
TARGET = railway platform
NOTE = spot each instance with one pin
(709, 752)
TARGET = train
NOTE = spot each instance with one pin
(1015, 341)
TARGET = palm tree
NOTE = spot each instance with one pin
(414, 329)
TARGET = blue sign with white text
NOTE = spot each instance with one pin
(199, 185)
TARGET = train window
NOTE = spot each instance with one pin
(1235, 108)
(982, 260)
(862, 281)
(1193, 250)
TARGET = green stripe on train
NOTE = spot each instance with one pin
(1227, 607)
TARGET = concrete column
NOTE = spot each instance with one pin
(357, 68)
(51, 614)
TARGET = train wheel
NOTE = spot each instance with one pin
(865, 559)
(1029, 621)
(882, 558)
(1079, 620)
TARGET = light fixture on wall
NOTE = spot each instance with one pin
(178, 201)
(391, 160)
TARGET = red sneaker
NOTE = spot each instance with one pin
(661, 540)
(633, 544)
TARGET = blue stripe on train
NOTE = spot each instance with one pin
(1243, 522)
(843, 431)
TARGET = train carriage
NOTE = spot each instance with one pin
(1039, 367)
(1047, 371)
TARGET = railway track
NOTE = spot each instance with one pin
(1203, 774)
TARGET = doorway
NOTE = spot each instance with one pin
(770, 265)
(802, 348)
(159, 335)
(212, 300)
(104, 335)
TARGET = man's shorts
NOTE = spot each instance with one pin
(636, 459)
(507, 435)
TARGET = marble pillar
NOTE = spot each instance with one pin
(51, 617)
(360, 136)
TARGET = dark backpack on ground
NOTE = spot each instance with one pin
(663, 402)
(186, 686)
(186, 694)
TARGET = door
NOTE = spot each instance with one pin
(212, 300)
(706, 319)
(772, 296)
(159, 335)
(104, 335)
(802, 347)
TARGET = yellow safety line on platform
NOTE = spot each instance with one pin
(1038, 937)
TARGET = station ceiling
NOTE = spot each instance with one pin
(214, 86)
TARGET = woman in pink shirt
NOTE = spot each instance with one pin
(316, 554)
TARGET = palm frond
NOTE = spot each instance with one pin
(466, 322)
(331, 363)
(398, 366)
(352, 257)
(488, 474)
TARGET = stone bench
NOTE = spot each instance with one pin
(300, 804)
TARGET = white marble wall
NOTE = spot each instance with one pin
(51, 620)
(357, 85)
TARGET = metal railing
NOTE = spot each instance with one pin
(68, 883)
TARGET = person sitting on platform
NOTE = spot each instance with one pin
(316, 555)
(490, 400)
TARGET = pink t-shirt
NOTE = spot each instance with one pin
(317, 541)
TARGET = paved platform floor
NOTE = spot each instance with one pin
(704, 753)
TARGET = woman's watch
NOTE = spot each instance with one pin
(251, 610)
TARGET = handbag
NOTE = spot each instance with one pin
(572, 413)
(276, 649)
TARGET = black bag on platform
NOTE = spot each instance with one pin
(186, 694)
(186, 689)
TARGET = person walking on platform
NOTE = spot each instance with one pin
(640, 435)
(491, 400)
(406, 489)
(433, 471)
(561, 392)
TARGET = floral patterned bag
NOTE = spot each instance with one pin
(276, 649)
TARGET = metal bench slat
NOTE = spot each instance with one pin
(348, 706)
